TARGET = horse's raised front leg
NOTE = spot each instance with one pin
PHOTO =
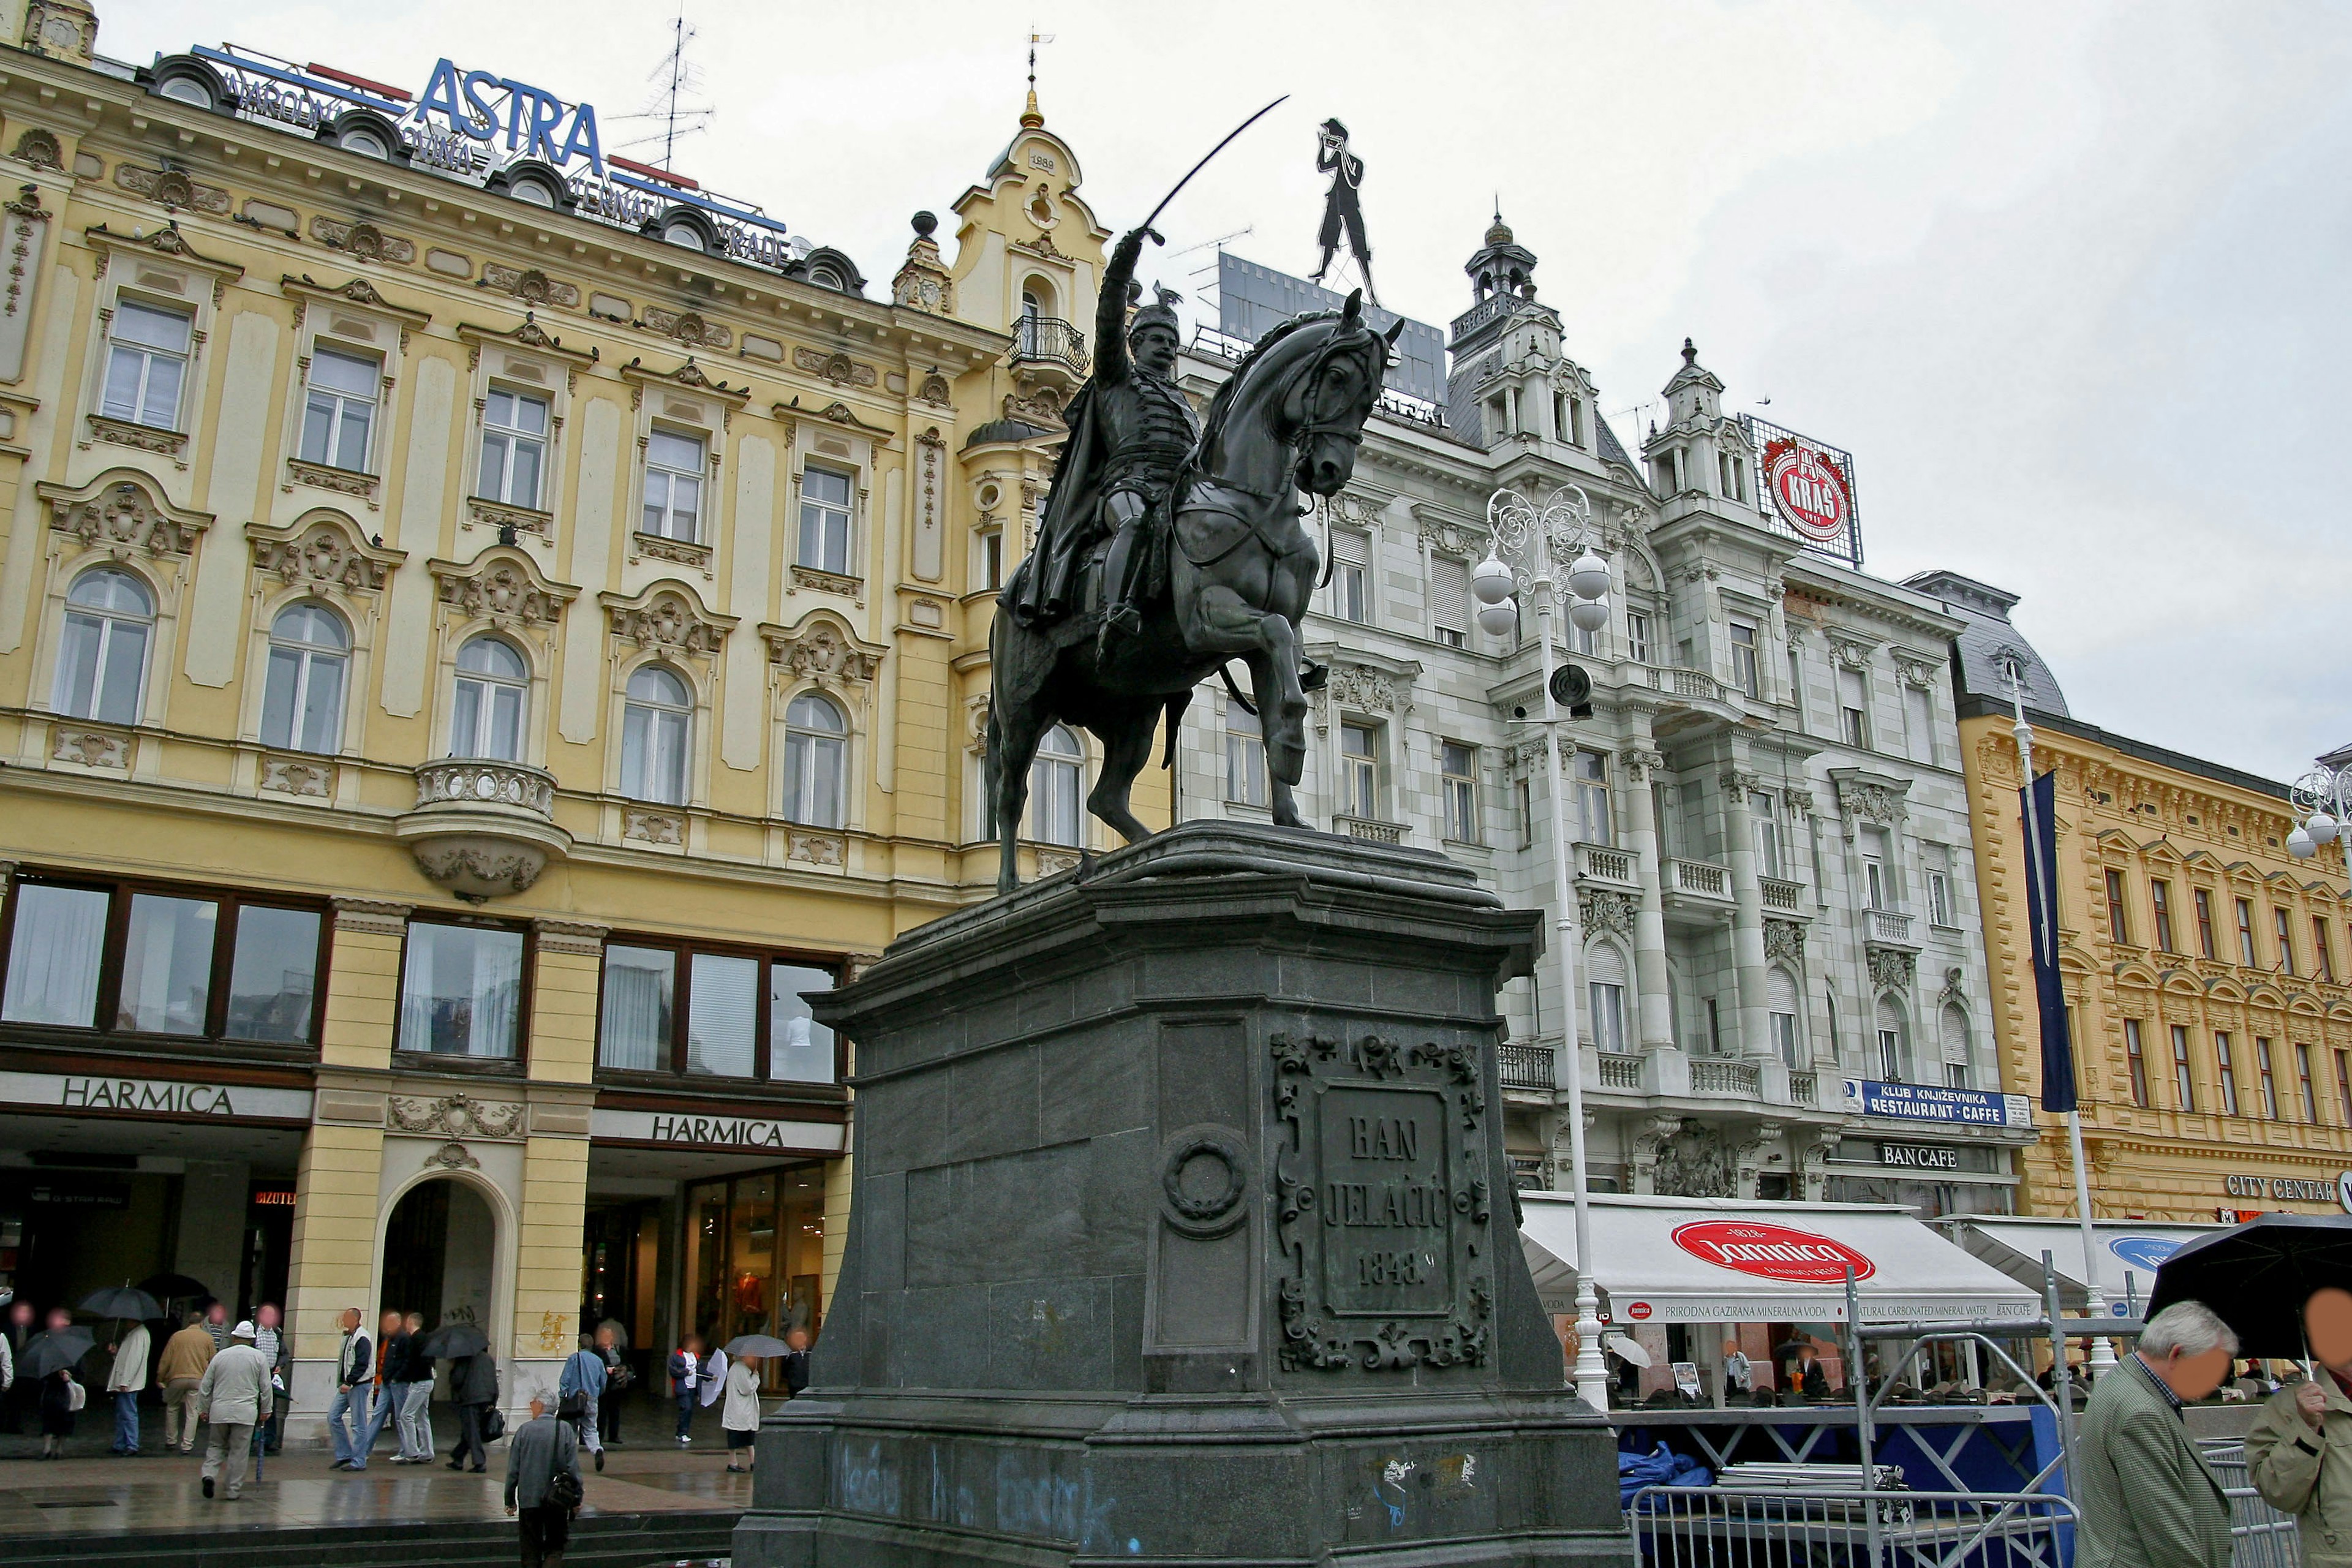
(1126, 750)
(1285, 802)
(1217, 619)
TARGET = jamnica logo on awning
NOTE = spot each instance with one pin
(1772, 1251)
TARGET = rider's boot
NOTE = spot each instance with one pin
(1120, 614)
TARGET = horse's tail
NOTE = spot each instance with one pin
(1176, 706)
(1225, 674)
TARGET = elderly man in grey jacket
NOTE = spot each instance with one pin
(2147, 1498)
(234, 1398)
(541, 1448)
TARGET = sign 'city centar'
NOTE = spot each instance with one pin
(538, 123)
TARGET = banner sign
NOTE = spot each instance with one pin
(1932, 1102)
(1772, 1251)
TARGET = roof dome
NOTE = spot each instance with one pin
(1500, 232)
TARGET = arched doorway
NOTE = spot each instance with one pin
(440, 1254)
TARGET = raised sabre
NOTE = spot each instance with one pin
(1203, 163)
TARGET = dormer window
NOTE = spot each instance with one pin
(686, 234)
(1732, 471)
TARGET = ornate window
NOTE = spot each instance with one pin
(146, 364)
(1457, 771)
(1781, 1009)
(1745, 672)
(1605, 994)
(514, 448)
(656, 722)
(1589, 790)
(1055, 789)
(1245, 780)
(339, 416)
(674, 468)
(302, 696)
(493, 701)
(2135, 1058)
(1765, 822)
(102, 659)
(1890, 1041)
(1953, 1030)
(815, 748)
(824, 521)
(1351, 581)
(1359, 773)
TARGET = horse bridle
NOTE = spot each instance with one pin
(1345, 425)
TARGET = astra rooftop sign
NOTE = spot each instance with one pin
(468, 122)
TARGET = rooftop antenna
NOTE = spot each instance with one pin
(670, 115)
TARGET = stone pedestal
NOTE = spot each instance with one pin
(1184, 1232)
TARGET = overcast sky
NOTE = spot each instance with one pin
(2068, 279)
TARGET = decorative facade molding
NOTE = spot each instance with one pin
(363, 239)
(687, 377)
(1892, 968)
(172, 187)
(138, 438)
(119, 512)
(668, 618)
(531, 286)
(372, 916)
(500, 515)
(652, 827)
(1784, 942)
(40, 149)
(327, 477)
(531, 335)
(815, 848)
(89, 747)
(823, 648)
(304, 776)
(1864, 796)
(360, 292)
(688, 328)
(838, 368)
(578, 939)
(456, 1116)
(1606, 913)
(502, 585)
(167, 242)
(324, 549)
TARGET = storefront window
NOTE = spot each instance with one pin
(461, 990)
(167, 966)
(800, 1050)
(755, 1255)
(721, 1028)
(722, 1015)
(53, 957)
(273, 979)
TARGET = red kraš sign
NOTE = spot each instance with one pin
(1772, 1251)
(1808, 490)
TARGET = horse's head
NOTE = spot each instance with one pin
(1324, 409)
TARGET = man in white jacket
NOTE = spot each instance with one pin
(235, 1398)
(124, 1382)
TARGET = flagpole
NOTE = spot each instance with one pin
(2094, 1304)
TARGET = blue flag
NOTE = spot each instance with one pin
(2040, 801)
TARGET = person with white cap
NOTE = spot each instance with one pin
(235, 1398)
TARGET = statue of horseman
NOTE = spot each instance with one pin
(1130, 430)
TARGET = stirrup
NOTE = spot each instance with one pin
(1314, 676)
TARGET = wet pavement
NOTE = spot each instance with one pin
(92, 1494)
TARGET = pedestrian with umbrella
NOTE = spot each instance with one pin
(49, 1362)
(129, 1375)
(741, 1416)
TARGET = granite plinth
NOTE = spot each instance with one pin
(1182, 1231)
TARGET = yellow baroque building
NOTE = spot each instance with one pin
(485, 630)
(2205, 969)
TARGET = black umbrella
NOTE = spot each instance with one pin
(2258, 1276)
(121, 1301)
(760, 1346)
(173, 1287)
(452, 1339)
(51, 1351)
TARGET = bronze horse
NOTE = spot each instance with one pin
(1241, 566)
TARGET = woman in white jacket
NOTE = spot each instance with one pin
(741, 1416)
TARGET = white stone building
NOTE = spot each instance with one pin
(1771, 845)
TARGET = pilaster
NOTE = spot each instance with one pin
(563, 1000)
(1747, 912)
(363, 984)
(1654, 1004)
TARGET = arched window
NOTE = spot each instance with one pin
(1953, 1036)
(1780, 1007)
(302, 700)
(102, 660)
(493, 698)
(1890, 1041)
(1033, 304)
(655, 726)
(814, 734)
(1054, 792)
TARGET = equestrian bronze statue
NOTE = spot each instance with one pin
(1149, 574)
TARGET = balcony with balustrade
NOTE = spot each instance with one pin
(482, 828)
(1051, 346)
(1597, 865)
(1890, 928)
(1785, 899)
(1696, 892)
(1527, 1068)
(1673, 1080)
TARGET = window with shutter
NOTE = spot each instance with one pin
(1449, 601)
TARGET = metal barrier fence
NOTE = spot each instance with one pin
(2260, 1536)
(1717, 1527)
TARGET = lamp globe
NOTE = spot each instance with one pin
(1491, 581)
(1588, 577)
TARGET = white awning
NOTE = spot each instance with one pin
(2015, 1247)
(1708, 1261)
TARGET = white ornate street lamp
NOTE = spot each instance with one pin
(2322, 798)
(1526, 538)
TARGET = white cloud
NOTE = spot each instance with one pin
(2067, 278)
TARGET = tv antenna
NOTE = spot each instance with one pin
(670, 115)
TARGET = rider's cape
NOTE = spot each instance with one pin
(1069, 524)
